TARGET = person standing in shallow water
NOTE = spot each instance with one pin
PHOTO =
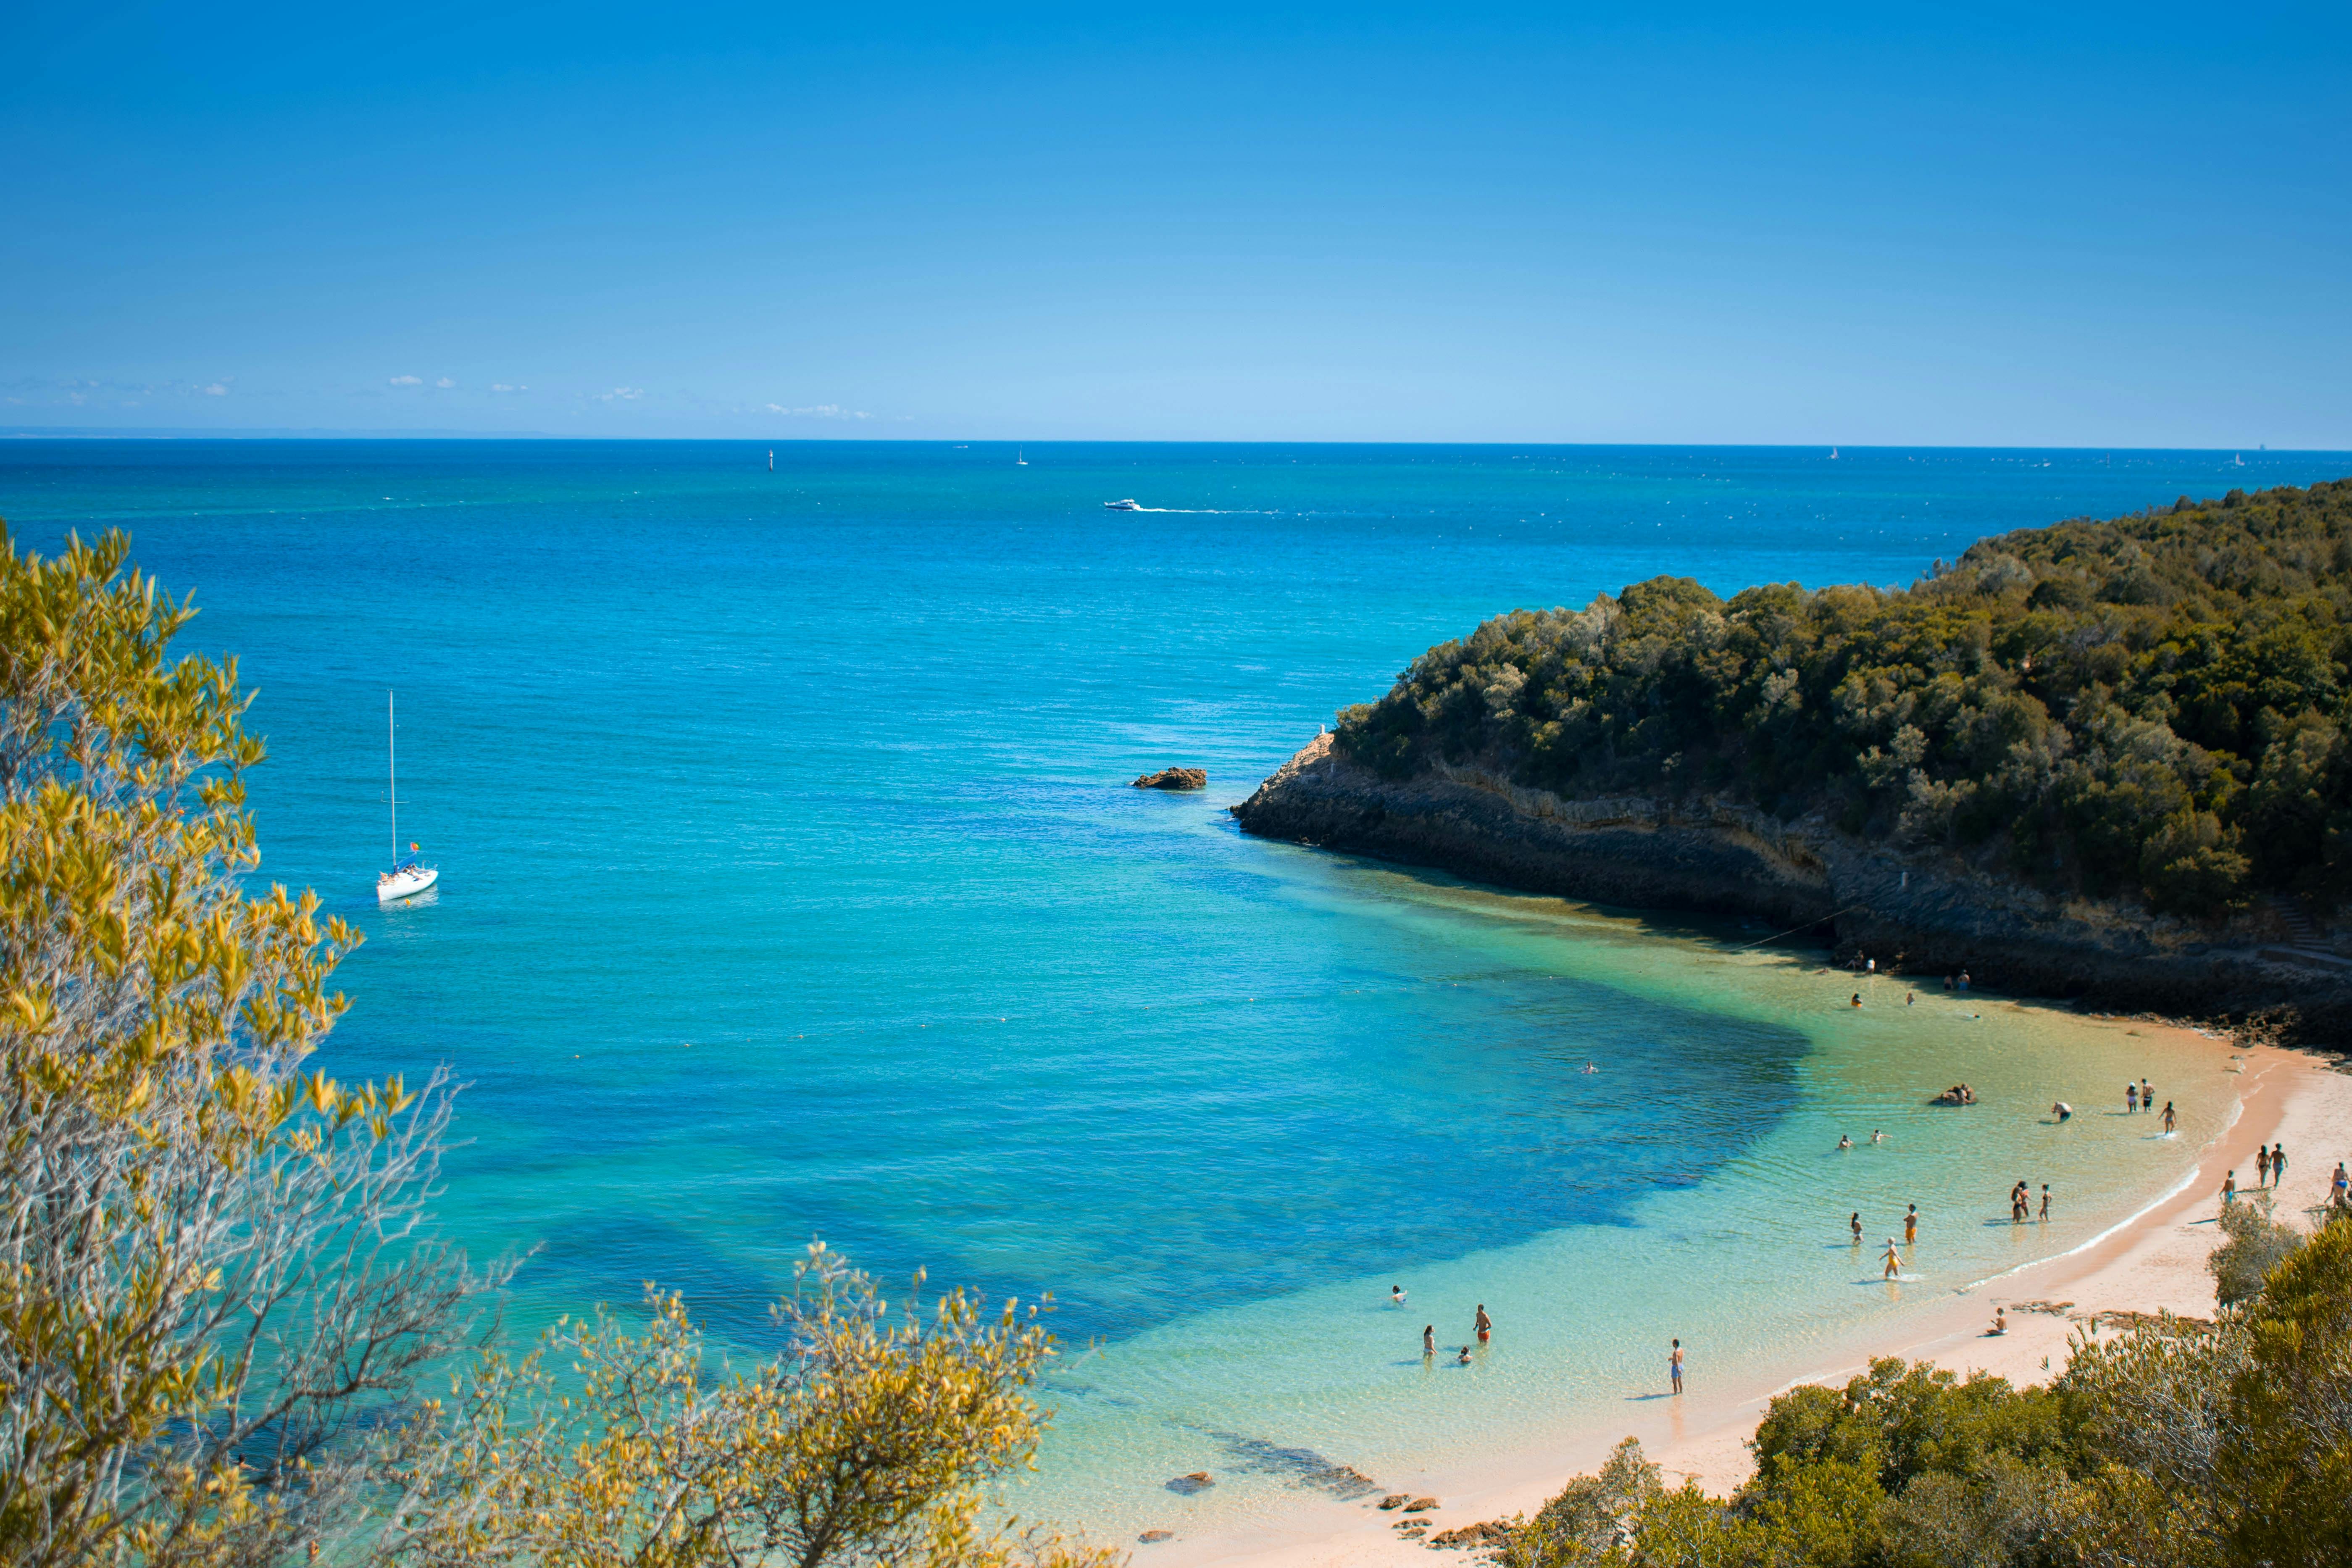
(1428, 1340)
(2045, 1200)
(1485, 1325)
(2168, 1118)
(1854, 1225)
(1675, 1365)
(1894, 1259)
(1911, 1225)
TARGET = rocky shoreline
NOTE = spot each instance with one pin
(1925, 913)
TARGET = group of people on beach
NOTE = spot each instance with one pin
(2140, 1096)
(2270, 1167)
(1892, 1258)
(1482, 1325)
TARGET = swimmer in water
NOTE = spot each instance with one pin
(1894, 1259)
(1464, 1359)
(1396, 1295)
(1877, 1136)
(1844, 1141)
(1857, 998)
(1590, 1068)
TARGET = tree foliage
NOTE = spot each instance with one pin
(2155, 706)
(218, 1306)
(207, 1266)
(2175, 1445)
(866, 1442)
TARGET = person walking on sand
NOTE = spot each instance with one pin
(2131, 1098)
(2339, 1186)
(1911, 1225)
(1428, 1340)
(2147, 1096)
(2263, 1166)
(2167, 1118)
(1486, 1324)
(1675, 1365)
(2278, 1164)
(1894, 1259)
(2229, 1188)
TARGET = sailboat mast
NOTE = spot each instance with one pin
(392, 755)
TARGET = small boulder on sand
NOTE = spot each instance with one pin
(1198, 1481)
(1148, 1536)
(1420, 1505)
(1175, 778)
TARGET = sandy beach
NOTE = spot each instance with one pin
(2152, 1260)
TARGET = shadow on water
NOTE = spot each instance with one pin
(1301, 1467)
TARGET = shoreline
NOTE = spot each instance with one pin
(1718, 856)
(2151, 1259)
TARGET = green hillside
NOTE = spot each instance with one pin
(2157, 705)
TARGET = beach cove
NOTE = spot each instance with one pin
(1292, 1404)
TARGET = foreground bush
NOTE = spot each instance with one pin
(2172, 1446)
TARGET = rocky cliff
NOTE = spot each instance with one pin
(1712, 856)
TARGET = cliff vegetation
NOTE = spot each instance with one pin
(2154, 706)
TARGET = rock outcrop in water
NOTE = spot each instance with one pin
(1703, 855)
(1175, 778)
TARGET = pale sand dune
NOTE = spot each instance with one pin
(2153, 1262)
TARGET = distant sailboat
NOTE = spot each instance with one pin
(409, 876)
(1020, 458)
(772, 459)
(1832, 454)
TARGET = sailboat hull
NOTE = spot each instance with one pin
(394, 886)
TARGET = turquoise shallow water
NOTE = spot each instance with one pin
(793, 886)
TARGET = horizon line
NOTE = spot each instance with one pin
(182, 434)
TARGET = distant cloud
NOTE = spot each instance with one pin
(502, 386)
(445, 381)
(408, 381)
(820, 411)
(626, 393)
(216, 390)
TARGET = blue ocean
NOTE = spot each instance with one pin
(793, 884)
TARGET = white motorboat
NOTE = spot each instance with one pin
(1130, 504)
(409, 875)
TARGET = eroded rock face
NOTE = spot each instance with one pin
(1175, 778)
(1704, 853)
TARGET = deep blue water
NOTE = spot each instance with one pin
(792, 885)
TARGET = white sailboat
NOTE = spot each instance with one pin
(409, 876)
(1020, 457)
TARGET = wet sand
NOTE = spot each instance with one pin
(2153, 1260)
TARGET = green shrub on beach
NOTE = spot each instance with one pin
(2155, 706)
(2256, 1244)
(2177, 1444)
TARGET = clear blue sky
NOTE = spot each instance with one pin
(1905, 224)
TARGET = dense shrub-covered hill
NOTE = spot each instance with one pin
(2157, 705)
